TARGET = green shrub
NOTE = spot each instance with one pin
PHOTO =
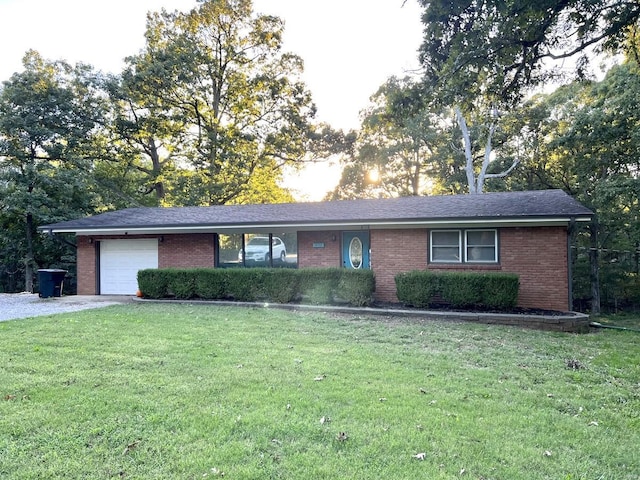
(356, 287)
(461, 289)
(458, 289)
(279, 285)
(182, 284)
(153, 283)
(417, 288)
(329, 285)
(242, 284)
(211, 283)
(317, 286)
(500, 291)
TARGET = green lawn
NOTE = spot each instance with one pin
(152, 391)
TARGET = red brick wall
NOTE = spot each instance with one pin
(537, 254)
(329, 256)
(186, 251)
(395, 251)
(86, 264)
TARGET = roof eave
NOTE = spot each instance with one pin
(327, 225)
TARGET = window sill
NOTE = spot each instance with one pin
(463, 266)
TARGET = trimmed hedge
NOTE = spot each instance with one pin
(421, 288)
(278, 285)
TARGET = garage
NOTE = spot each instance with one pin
(120, 261)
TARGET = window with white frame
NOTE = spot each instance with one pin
(445, 246)
(463, 246)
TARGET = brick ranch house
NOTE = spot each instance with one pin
(526, 233)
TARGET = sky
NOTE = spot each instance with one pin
(350, 48)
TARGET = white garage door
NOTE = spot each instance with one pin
(120, 261)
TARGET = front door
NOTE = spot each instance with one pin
(355, 250)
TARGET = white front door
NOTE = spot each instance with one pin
(120, 261)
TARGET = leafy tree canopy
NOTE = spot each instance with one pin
(395, 148)
(496, 49)
(216, 82)
(48, 115)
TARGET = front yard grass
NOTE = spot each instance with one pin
(149, 391)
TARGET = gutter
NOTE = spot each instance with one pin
(311, 226)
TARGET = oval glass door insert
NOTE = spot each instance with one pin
(355, 252)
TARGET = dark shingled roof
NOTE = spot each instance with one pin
(542, 204)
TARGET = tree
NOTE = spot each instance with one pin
(47, 115)
(215, 81)
(141, 136)
(476, 177)
(497, 49)
(396, 146)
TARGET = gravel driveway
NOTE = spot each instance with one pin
(24, 305)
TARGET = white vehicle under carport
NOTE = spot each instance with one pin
(257, 250)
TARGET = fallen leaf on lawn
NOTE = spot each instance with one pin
(419, 456)
(130, 447)
(342, 436)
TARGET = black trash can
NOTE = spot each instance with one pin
(50, 281)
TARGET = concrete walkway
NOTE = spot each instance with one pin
(25, 305)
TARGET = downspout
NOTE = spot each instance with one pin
(570, 239)
(614, 327)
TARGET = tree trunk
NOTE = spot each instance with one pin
(476, 182)
(468, 154)
(157, 169)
